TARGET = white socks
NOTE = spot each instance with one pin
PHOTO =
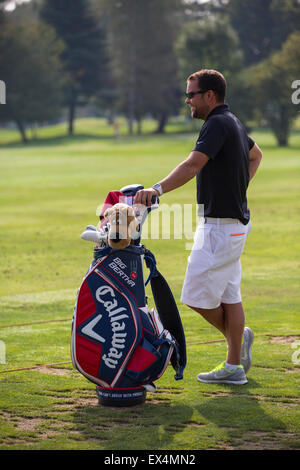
(231, 366)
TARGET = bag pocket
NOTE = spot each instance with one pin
(149, 362)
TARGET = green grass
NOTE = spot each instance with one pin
(50, 190)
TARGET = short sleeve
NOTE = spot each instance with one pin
(211, 138)
(250, 143)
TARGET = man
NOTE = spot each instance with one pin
(224, 160)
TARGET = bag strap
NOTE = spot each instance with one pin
(150, 263)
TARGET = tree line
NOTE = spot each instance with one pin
(132, 57)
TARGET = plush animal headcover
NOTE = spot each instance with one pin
(123, 225)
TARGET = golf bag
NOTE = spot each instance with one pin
(117, 342)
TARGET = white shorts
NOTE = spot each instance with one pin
(213, 274)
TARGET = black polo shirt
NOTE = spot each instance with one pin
(222, 183)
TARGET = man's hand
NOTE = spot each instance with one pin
(144, 196)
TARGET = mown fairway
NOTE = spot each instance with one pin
(50, 190)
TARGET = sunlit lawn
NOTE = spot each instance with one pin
(50, 190)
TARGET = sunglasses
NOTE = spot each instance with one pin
(191, 94)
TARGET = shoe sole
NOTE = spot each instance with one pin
(233, 382)
(249, 361)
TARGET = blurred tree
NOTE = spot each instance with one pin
(271, 83)
(31, 68)
(143, 59)
(290, 55)
(262, 25)
(256, 25)
(2, 2)
(211, 42)
(84, 57)
(27, 11)
(160, 68)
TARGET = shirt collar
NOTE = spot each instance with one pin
(221, 108)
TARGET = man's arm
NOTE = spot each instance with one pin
(183, 173)
(255, 156)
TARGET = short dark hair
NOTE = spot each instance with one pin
(211, 80)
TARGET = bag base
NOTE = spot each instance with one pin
(121, 397)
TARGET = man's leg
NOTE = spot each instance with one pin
(229, 319)
(214, 316)
(234, 325)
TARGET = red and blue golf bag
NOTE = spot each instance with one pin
(118, 343)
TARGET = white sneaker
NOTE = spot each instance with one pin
(221, 374)
(246, 352)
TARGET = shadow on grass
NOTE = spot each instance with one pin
(149, 426)
(155, 424)
(83, 137)
(55, 140)
(240, 410)
(80, 137)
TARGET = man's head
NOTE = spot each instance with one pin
(205, 90)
